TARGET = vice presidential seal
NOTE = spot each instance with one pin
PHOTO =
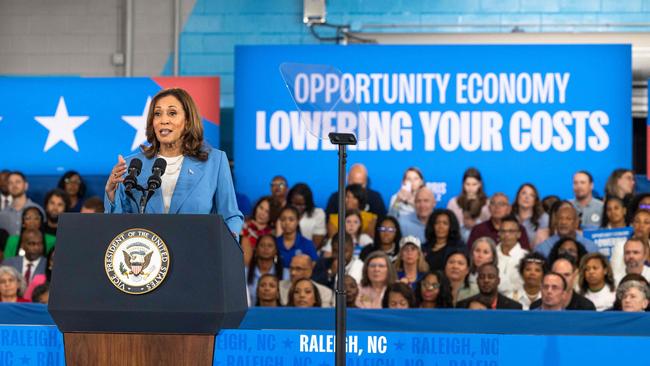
(137, 261)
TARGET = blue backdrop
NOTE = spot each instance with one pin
(546, 111)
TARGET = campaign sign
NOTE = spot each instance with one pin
(607, 239)
(518, 113)
(53, 124)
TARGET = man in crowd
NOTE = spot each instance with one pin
(635, 252)
(17, 187)
(326, 269)
(488, 285)
(566, 266)
(56, 203)
(554, 287)
(5, 197)
(375, 203)
(567, 223)
(33, 262)
(509, 254)
(301, 267)
(414, 223)
(499, 208)
(93, 205)
(589, 208)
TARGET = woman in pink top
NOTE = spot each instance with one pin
(472, 189)
(378, 273)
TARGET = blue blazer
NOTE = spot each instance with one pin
(203, 187)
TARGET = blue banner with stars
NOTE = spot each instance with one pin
(31, 345)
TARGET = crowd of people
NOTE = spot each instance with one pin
(480, 252)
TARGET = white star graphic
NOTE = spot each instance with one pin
(140, 125)
(61, 127)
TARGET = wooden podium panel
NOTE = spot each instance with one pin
(83, 349)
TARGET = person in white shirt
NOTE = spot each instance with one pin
(312, 219)
(597, 281)
(532, 269)
(509, 254)
(635, 252)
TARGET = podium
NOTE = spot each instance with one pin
(145, 289)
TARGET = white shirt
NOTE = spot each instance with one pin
(5, 201)
(603, 299)
(170, 178)
(521, 296)
(314, 225)
(619, 276)
(33, 268)
(509, 268)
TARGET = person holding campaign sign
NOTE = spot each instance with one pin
(196, 179)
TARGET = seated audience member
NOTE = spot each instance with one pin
(565, 225)
(387, 237)
(434, 291)
(56, 203)
(326, 269)
(17, 186)
(499, 208)
(640, 202)
(5, 197)
(358, 174)
(410, 265)
(479, 302)
(303, 294)
(614, 214)
(415, 223)
(4, 237)
(267, 293)
(351, 291)
(12, 285)
(528, 210)
(291, 243)
(629, 277)
(472, 190)
(567, 268)
(509, 254)
(33, 262)
(567, 246)
(355, 200)
(353, 227)
(554, 287)
(41, 294)
(312, 218)
(589, 208)
(457, 271)
(531, 270)
(75, 188)
(279, 190)
(302, 267)
(256, 226)
(547, 203)
(641, 229)
(40, 279)
(635, 253)
(620, 184)
(471, 215)
(32, 220)
(484, 250)
(94, 204)
(265, 261)
(488, 285)
(403, 202)
(634, 296)
(378, 273)
(597, 281)
(399, 296)
(442, 236)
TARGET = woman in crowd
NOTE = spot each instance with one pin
(620, 184)
(443, 235)
(410, 265)
(633, 295)
(403, 202)
(265, 261)
(628, 277)
(528, 210)
(399, 296)
(378, 273)
(267, 293)
(312, 218)
(434, 291)
(355, 199)
(12, 285)
(614, 213)
(472, 189)
(457, 271)
(532, 268)
(353, 225)
(258, 225)
(351, 291)
(484, 250)
(597, 281)
(32, 220)
(640, 202)
(304, 294)
(387, 236)
(72, 183)
(291, 242)
(567, 246)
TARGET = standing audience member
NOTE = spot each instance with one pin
(633, 296)
(33, 262)
(94, 204)
(415, 223)
(17, 186)
(597, 281)
(531, 270)
(434, 291)
(312, 218)
(443, 236)
(589, 208)
(5, 196)
(387, 236)
(565, 223)
(265, 261)
(302, 268)
(620, 184)
(554, 286)
(410, 265)
(32, 220)
(303, 294)
(457, 271)
(488, 285)
(12, 285)
(499, 208)
(567, 268)
(403, 202)
(256, 226)
(528, 209)
(472, 190)
(358, 174)
(510, 253)
(56, 203)
(291, 243)
(399, 296)
(267, 293)
(484, 250)
(72, 184)
(378, 273)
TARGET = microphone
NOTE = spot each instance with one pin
(135, 167)
(157, 171)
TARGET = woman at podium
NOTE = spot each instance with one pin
(197, 178)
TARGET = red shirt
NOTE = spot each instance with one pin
(251, 231)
